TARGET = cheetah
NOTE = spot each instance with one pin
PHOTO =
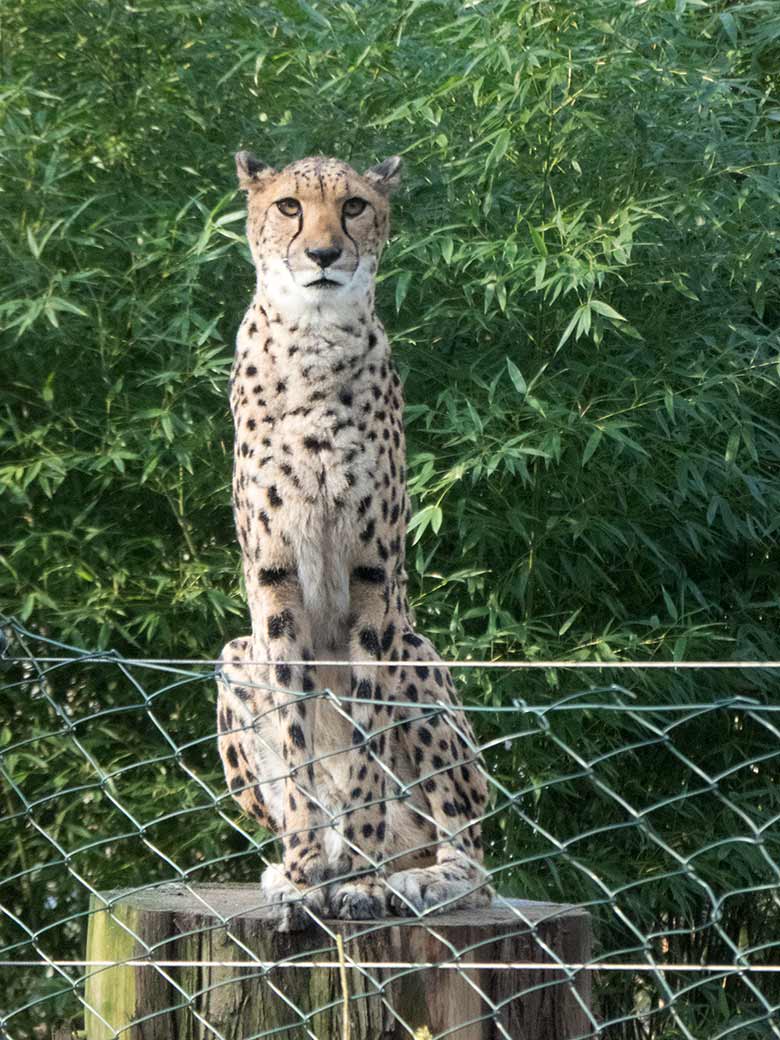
(367, 772)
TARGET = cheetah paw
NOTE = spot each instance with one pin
(295, 909)
(358, 901)
(416, 891)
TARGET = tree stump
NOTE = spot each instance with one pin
(388, 999)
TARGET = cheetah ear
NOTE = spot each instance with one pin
(251, 170)
(386, 176)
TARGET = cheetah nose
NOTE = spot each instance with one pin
(324, 257)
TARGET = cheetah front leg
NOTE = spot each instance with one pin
(362, 897)
(282, 623)
(250, 744)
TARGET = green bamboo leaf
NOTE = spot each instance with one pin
(401, 288)
(569, 328)
(604, 308)
(428, 515)
(230, 218)
(538, 240)
(47, 393)
(569, 622)
(314, 15)
(732, 446)
(500, 145)
(32, 243)
(517, 377)
(56, 303)
(729, 23)
(592, 443)
(583, 323)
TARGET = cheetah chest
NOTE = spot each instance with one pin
(299, 487)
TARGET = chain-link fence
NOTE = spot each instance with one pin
(651, 819)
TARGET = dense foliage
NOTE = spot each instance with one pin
(582, 292)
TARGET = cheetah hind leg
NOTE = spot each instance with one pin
(456, 881)
(455, 797)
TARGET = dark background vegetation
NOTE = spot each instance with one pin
(583, 298)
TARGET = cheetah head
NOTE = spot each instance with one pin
(316, 230)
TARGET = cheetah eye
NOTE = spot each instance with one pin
(354, 207)
(290, 207)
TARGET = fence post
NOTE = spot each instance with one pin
(226, 923)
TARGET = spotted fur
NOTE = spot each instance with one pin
(375, 798)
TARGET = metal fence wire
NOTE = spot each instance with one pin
(655, 811)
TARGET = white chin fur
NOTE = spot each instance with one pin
(295, 301)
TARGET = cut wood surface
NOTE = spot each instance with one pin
(227, 923)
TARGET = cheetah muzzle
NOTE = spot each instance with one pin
(376, 803)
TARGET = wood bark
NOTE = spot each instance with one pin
(227, 923)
